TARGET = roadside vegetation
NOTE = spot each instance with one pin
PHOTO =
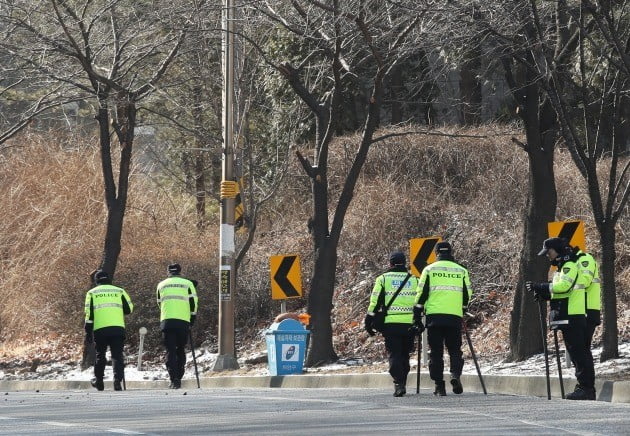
(470, 190)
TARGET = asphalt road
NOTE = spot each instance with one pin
(281, 411)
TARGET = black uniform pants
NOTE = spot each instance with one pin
(115, 344)
(450, 336)
(575, 341)
(399, 343)
(175, 342)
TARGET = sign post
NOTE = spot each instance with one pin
(422, 253)
(229, 190)
(572, 231)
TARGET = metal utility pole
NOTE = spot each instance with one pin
(227, 350)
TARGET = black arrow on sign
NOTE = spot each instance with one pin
(420, 261)
(568, 230)
(281, 277)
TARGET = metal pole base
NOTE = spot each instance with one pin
(225, 361)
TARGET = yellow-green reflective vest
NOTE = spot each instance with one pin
(589, 278)
(401, 309)
(104, 306)
(174, 296)
(448, 281)
(565, 285)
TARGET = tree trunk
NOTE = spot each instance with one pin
(541, 133)
(610, 333)
(395, 93)
(113, 235)
(200, 190)
(470, 88)
(320, 304)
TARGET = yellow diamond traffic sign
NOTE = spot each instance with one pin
(286, 278)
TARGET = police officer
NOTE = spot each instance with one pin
(589, 273)
(398, 330)
(177, 299)
(567, 313)
(444, 294)
(105, 307)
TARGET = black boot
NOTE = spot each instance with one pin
(457, 386)
(176, 384)
(440, 389)
(117, 386)
(582, 393)
(97, 383)
(399, 390)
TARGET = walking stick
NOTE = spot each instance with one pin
(474, 356)
(192, 348)
(555, 339)
(543, 331)
(418, 369)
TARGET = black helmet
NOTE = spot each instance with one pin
(443, 249)
(558, 244)
(101, 277)
(174, 268)
(397, 258)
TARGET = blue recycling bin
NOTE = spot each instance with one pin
(286, 347)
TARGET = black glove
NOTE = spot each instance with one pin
(540, 290)
(192, 320)
(369, 324)
(418, 311)
(542, 294)
(89, 332)
(416, 328)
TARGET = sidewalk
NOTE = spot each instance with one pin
(615, 392)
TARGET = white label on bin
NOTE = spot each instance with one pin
(290, 352)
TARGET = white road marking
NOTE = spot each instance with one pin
(58, 424)
(121, 431)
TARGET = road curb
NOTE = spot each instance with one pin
(609, 391)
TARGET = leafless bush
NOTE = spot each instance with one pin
(470, 191)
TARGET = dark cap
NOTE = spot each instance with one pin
(397, 258)
(442, 248)
(557, 244)
(174, 268)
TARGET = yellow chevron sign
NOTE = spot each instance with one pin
(422, 253)
(286, 278)
(572, 231)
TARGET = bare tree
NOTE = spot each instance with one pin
(111, 53)
(591, 100)
(336, 38)
(502, 31)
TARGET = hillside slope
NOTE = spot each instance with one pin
(470, 191)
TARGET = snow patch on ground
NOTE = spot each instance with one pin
(614, 369)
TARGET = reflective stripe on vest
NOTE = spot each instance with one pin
(446, 287)
(173, 296)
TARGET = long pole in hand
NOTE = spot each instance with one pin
(555, 339)
(543, 332)
(418, 367)
(192, 349)
(474, 356)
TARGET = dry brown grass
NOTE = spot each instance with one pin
(470, 191)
